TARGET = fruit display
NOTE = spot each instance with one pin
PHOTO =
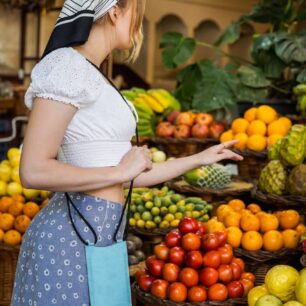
(284, 285)
(163, 208)
(191, 265)
(134, 245)
(214, 176)
(252, 229)
(15, 217)
(278, 177)
(258, 130)
(182, 125)
(300, 93)
(151, 106)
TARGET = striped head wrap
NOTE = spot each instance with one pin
(75, 21)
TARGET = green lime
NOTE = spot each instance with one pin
(195, 214)
(189, 207)
(157, 219)
(188, 214)
(179, 215)
(181, 209)
(150, 224)
(146, 216)
(169, 217)
(199, 207)
(175, 223)
(132, 222)
(205, 218)
(164, 224)
(172, 209)
(137, 216)
(180, 203)
(209, 207)
(149, 205)
(133, 208)
(141, 209)
(155, 211)
(140, 224)
(163, 211)
(139, 202)
(157, 202)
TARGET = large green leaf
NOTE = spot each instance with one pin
(301, 78)
(252, 77)
(230, 35)
(177, 49)
(250, 94)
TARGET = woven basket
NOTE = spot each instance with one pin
(150, 232)
(8, 263)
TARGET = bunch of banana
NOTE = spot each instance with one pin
(300, 92)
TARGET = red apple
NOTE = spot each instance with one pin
(225, 274)
(202, 228)
(208, 276)
(182, 131)
(222, 236)
(145, 281)
(188, 225)
(172, 117)
(236, 269)
(226, 253)
(165, 129)
(204, 118)
(173, 239)
(177, 255)
(200, 131)
(156, 267)
(216, 129)
(235, 290)
(186, 118)
(159, 288)
(210, 242)
(194, 259)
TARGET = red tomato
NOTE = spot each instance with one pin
(194, 259)
(202, 229)
(149, 259)
(247, 285)
(222, 236)
(226, 254)
(208, 276)
(225, 274)
(236, 271)
(217, 292)
(235, 290)
(197, 294)
(189, 277)
(161, 252)
(188, 225)
(177, 292)
(171, 272)
(176, 255)
(156, 267)
(212, 259)
(210, 242)
(140, 272)
(248, 275)
(173, 239)
(191, 242)
(145, 281)
(159, 288)
(240, 262)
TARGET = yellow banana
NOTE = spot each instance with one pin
(140, 103)
(153, 103)
(160, 98)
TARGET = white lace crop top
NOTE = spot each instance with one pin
(100, 132)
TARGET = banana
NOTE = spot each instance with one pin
(300, 89)
(141, 103)
(153, 103)
(165, 102)
(138, 90)
(174, 103)
(128, 94)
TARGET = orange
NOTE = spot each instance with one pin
(245, 212)
(291, 238)
(21, 223)
(30, 209)
(214, 226)
(266, 113)
(222, 211)
(234, 235)
(268, 222)
(301, 229)
(243, 139)
(278, 214)
(236, 204)
(254, 208)
(286, 122)
(289, 219)
(251, 241)
(250, 114)
(257, 143)
(226, 136)
(12, 237)
(6, 221)
(272, 241)
(232, 219)
(18, 198)
(273, 139)
(16, 209)
(1, 234)
(250, 223)
(257, 127)
(5, 203)
(277, 127)
(260, 214)
(239, 125)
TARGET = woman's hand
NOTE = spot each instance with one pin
(134, 162)
(217, 153)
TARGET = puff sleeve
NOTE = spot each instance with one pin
(67, 77)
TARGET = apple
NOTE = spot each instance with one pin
(200, 130)
(216, 129)
(173, 239)
(155, 267)
(182, 131)
(172, 116)
(194, 259)
(188, 225)
(201, 228)
(165, 129)
(186, 118)
(204, 118)
(159, 157)
(177, 255)
(145, 281)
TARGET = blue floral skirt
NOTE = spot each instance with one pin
(51, 267)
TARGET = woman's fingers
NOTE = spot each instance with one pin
(228, 144)
(228, 154)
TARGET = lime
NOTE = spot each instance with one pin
(155, 211)
(137, 216)
(175, 223)
(209, 207)
(141, 209)
(195, 214)
(133, 208)
(139, 201)
(140, 224)
(181, 209)
(164, 224)
(178, 216)
(189, 207)
(132, 222)
(188, 214)
(146, 216)
(157, 219)
(149, 205)
(199, 207)
(205, 218)
(163, 211)
(180, 203)
(169, 217)
(157, 202)
(172, 209)
(150, 224)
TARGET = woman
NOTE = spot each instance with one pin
(78, 141)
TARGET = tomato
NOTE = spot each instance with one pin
(236, 271)
(225, 274)
(176, 255)
(159, 288)
(197, 294)
(156, 267)
(212, 259)
(145, 281)
(161, 251)
(191, 242)
(194, 259)
(171, 272)
(177, 292)
(226, 254)
(247, 285)
(140, 272)
(210, 242)
(189, 277)
(173, 239)
(222, 237)
(235, 290)
(217, 292)
(240, 262)
(188, 225)
(149, 259)
(208, 276)
(201, 229)
(248, 275)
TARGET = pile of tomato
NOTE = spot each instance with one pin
(195, 266)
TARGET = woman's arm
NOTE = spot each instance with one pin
(39, 168)
(162, 172)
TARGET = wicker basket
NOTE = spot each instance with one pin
(150, 232)
(8, 263)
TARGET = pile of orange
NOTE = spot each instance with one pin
(259, 129)
(15, 217)
(252, 229)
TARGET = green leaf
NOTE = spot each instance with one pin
(252, 77)
(301, 78)
(170, 39)
(230, 35)
(251, 94)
